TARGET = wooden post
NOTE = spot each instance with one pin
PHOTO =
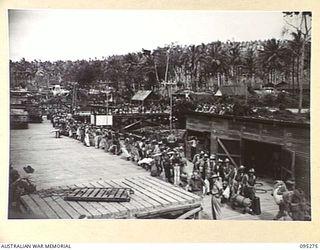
(242, 151)
(194, 212)
(197, 215)
(227, 153)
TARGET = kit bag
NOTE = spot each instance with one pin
(256, 207)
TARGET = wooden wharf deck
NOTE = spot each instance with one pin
(152, 198)
(66, 162)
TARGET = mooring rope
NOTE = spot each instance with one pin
(262, 190)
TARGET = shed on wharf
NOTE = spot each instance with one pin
(276, 149)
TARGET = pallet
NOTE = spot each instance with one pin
(100, 194)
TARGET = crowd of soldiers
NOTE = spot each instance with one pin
(219, 109)
(126, 108)
(225, 182)
(208, 175)
(163, 158)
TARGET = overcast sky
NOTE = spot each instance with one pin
(83, 34)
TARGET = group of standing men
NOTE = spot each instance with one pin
(225, 182)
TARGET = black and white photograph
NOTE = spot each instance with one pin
(159, 114)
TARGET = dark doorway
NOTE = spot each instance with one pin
(265, 158)
(229, 149)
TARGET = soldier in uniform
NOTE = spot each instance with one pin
(226, 169)
(226, 163)
(184, 175)
(196, 184)
(203, 166)
(194, 144)
(211, 169)
(238, 187)
(220, 170)
(216, 193)
(284, 205)
(172, 141)
(197, 159)
(156, 167)
(298, 206)
(167, 167)
(293, 203)
(203, 169)
(248, 184)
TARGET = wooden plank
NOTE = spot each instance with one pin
(79, 206)
(81, 192)
(66, 207)
(147, 204)
(226, 151)
(175, 188)
(136, 201)
(103, 211)
(172, 187)
(119, 193)
(111, 206)
(95, 192)
(190, 213)
(106, 193)
(111, 194)
(44, 206)
(141, 194)
(148, 193)
(167, 210)
(58, 210)
(32, 206)
(170, 191)
(75, 192)
(81, 210)
(115, 213)
(161, 192)
(128, 205)
(293, 163)
(123, 210)
(86, 205)
(125, 193)
(100, 193)
(88, 192)
(133, 205)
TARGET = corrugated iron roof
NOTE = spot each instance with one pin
(141, 95)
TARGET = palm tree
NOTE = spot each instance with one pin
(176, 64)
(192, 58)
(217, 61)
(235, 60)
(294, 47)
(132, 71)
(249, 64)
(271, 58)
